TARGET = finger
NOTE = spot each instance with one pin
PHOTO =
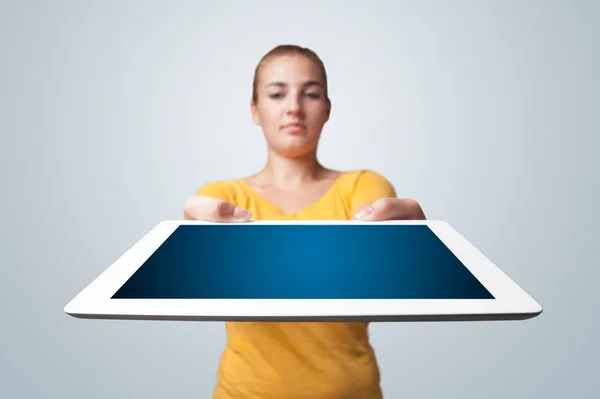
(224, 211)
(215, 210)
(393, 209)
(362, 211)
(381, 209)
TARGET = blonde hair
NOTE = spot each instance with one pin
(288, 49)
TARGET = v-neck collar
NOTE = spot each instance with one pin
(293, 214)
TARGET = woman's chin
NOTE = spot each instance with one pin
(295, 148)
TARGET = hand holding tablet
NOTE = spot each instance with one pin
(391, 209)
(214, 210)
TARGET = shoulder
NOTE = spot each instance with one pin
(223, 189)
(364, 186)
(367, 180)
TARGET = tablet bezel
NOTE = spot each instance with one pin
(511, 301)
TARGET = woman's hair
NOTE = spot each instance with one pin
(288, 49)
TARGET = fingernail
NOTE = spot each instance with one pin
(241, 214)
(364, 215)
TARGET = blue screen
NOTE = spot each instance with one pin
(303, 262)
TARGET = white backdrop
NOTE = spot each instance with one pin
(113, 113)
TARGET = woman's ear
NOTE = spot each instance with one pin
(254, 113)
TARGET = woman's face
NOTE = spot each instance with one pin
(292, 106)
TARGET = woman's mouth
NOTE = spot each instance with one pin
(294, 127)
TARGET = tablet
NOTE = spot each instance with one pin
(303, 271)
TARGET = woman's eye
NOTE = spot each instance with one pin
(275, 95)
(313, 95)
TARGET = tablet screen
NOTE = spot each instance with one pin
(302, 262)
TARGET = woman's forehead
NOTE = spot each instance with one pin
(291, 70)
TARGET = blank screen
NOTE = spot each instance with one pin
(302, 262)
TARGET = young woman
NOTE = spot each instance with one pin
(320, 360)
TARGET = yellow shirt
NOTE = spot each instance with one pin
(323, 360)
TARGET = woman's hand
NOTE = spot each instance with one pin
(391, 209)
(214, 210)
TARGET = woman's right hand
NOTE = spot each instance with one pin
(214, 210)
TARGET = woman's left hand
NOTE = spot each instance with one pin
(391, 209)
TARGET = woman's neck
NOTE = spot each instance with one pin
(290, 173)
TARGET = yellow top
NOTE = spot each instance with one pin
(300, 359)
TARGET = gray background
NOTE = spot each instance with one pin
(113, 113)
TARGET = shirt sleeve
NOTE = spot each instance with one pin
(368, 187)
(216, 189)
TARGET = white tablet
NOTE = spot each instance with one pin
(304, 271)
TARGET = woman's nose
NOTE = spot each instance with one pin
(294, 105)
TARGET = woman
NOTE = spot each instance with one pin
(290, 102)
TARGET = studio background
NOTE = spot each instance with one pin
(113, 113)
